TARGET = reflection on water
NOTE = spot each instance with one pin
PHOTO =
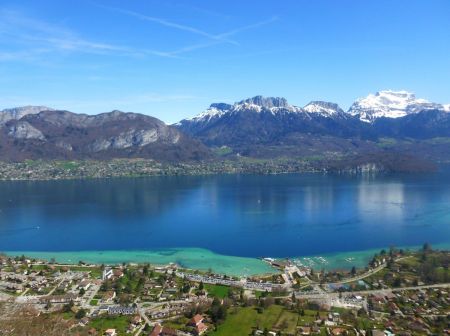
(283, 215)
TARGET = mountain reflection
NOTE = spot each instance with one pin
(244, 215)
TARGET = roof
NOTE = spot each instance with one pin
(197, 319)
(156, 330)
(201, 327)
(168, 331)
(337, 331)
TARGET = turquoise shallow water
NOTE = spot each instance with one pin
(195, 258)
(210, 218)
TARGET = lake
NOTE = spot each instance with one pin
(200, 221)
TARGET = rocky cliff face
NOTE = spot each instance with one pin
(63, 134)
(23, 130)
(19, 112)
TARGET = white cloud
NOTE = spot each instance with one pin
(29, 39)
(170, 24)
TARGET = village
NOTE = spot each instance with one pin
(398, 293)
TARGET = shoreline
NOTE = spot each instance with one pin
(88, 169)
(204, 260)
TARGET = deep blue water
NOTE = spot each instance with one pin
(242, 215)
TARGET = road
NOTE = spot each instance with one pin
(89, 296)
(144, 317)
(366, 292)
(365, 275)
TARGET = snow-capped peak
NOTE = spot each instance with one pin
(267, 102)
(256, 104)
(323, 108)
(389, 104)
(212, 112)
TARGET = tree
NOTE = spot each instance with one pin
(80, 314)
(217, 311)
(201, 286)
(353, 271)
(128, 288)
(397, 282)
(68, 307)
(392, 251)
(82, 291)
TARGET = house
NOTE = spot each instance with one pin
(59, 298)
(196, 320)
(201, 328)
(338, 331)
(84, 321)
(334, 317)
(109, 296)
(85, 284)
(197, 323)
(121, 310)
(110, 332)
(158, 330)
(13, 287)
(136, 319)
(117, 273)
(107, 274)
(305, 330)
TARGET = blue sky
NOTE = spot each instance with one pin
(171, 59)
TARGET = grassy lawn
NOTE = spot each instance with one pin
(120, 323)
(67, 164)
(176, 323)
(386, 142)
(224, 150)
(217, 290)
(410, 261)
(93, 302)
(68, 315)
(287, 322)
(242, 320)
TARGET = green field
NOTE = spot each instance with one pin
(120, 323)
(287, 322)
(217, 290)
(241, 321)
(222, 151)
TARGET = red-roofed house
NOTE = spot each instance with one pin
(197, 323)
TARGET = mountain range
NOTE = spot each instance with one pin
(44, 133)
(259, 127)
